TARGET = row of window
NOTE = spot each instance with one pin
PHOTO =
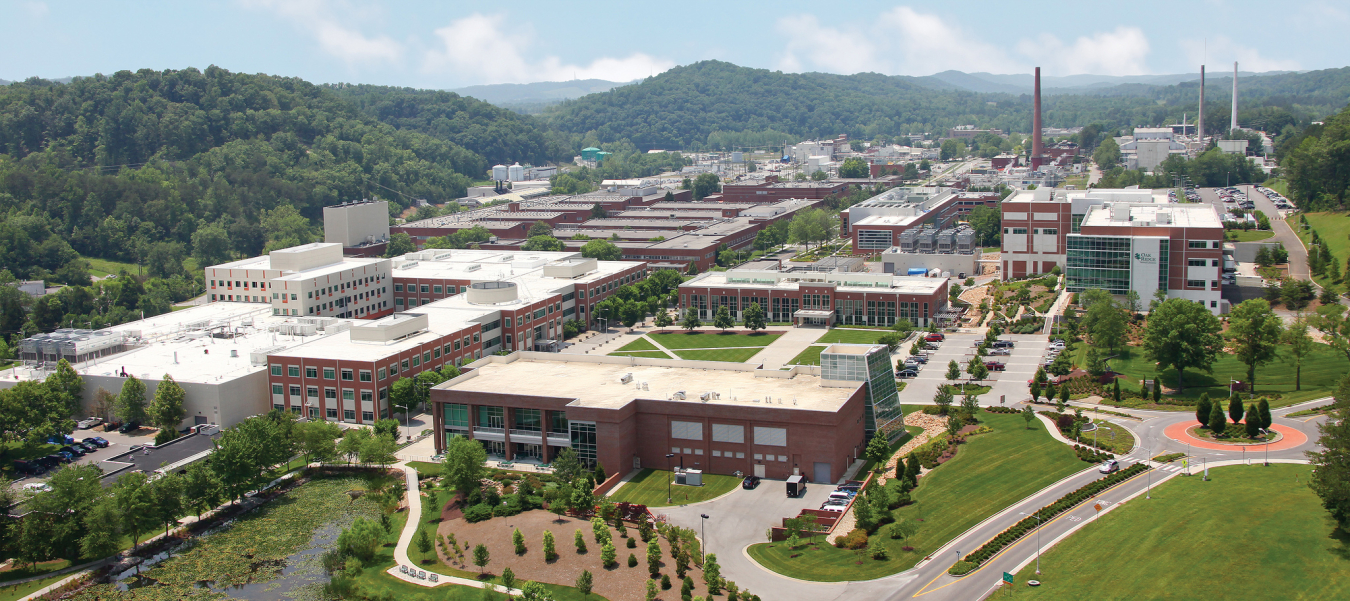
(331, 394)
(348, 415)
(728, 454)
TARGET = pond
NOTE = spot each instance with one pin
(273, 552)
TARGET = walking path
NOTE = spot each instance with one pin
(788, 346)
(405, 539)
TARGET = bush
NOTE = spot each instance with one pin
(478, 513)
(854, 540)
(632, 560)
(632, 543)
(961, 568)
(665, 582)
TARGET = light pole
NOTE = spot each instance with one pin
(1267, 435)
(669, 475)
(1037, 515)
(703, 533)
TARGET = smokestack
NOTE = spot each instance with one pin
(1200, 118)
(1233, 125)
(1036, 125)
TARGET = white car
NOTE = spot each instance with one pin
(1108, 466)
(35, 487)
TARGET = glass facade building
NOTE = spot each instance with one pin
(871, 364)
(1098, 262)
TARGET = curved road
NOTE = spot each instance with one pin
(735, 521)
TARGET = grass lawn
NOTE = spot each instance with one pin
(810, 356)
(1119, 439)
(641, 344)
(102, 267)
(682, 340)
(426, 469)
(647, 354)
(969, 389)
(989, 473)
(853, 336)
(1292, 553)
(649, 488)
(33, 570)
(1321, 371)
(17, 450)
(731, 355)
(1333, 228)
(910, 432)
(1253, 235)
(16, 592)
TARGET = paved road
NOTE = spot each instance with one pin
(1284, 234)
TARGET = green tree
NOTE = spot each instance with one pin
(1300, 345)
(545, 243)
(1331, 474)
(379, 450)
(508, 578)
(533, 591)
(953, 371)
(166, 500)
(317, 440)
(540, 228)
(134, 503)
(1235, 408)
(481, 557)
(1061, 366)
(167, 411)
(951, 148)
(706, 184)
(943, 399)
(211, 244)
(891, 340)
(722, 320)
(284, 227)
(1107, 154)
(67, 385)
(580, 541)
(690, 321)
(878, 449)
(1028, 415)
(131, 401)
(102, 529)
(712, 574)
(663, 319)
(602, 250)
(653, 557)
(854, 167)
(1263, 411)
(1095, 364)
(1063, 395)
(349, 445)
(977, 369)
(550, 551)
(1202, 409)
(608, 554)
(201, 488)
(462, 464)
(811, 226)
(1217, 422)
(584, 582)
(361, 539)
(754, 317)
(1183, 335)
(1255, 333)
(1035, 390)
(518, 540)
(399, 244)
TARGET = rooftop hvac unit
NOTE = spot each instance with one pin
(705, 396)
(628, 377)
(678, 396)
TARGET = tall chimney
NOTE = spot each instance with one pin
(1233, 125)
(1200, 118)
(1036, 149)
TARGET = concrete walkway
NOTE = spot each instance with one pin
(787, 347)
(405, 540)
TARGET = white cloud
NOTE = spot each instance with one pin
(327, 23)
(482, 48)
(899, 41)
(36, 10)
(1223, 50)
(1119, 52)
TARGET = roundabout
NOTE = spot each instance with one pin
(1289, 438)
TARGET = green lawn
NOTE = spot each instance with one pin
(641, 344)
(989, 473)
(1119, 439)
(853, 336)
(1321, 371)
(1333, 228)
(16, 592)
(426, 469)
(647, 354)
(102, 267)
(957, 390)
(1181, 545)
(1253, 235)
(682, 340)
(33, 570)
(649, 488)
(730, 355)
(810, 356)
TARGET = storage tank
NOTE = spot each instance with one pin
(737, 156)
(499, 173)
(919, 271)
(515, 173)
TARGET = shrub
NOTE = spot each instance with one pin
(665, 582)
(478, 513)
(632, 543)
(632, 560)
(856, 539)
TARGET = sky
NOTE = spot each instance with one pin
(451, 44)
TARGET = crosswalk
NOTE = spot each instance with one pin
(1168, 467)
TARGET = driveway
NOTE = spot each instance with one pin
(960, 347)
(740, 519)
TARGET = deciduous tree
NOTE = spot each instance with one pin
(1255, 333)
(1182, 334)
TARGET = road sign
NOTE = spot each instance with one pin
(1008, 578)
(1098, 507)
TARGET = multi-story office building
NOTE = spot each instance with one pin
(818, 298)
(1117, 240)
(312, 280)
(869, 363)
(629, 413)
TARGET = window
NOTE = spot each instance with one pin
(349, 415)
(366, 396)
(426, 357)
(311, 372)
(1195, 283)
(1050, 231)
(728, 433)
(436, 289)
(1195, 262)
(330, 394)
(740, 455)
(277, 390)
(475, 338)
(698, 451)
(312, 392)
(293, 371)
(686, 430)
(782, 458)
(1216, 244)
(758, 457)
(398, 301)
(382, 373)
(295, 391)
(398, 287)
(332, 413)
(774, 437)
(348, 394)
(436, 352)
(717, 453)
(384, 393)
(425, 289)
(405, 365)
(365, 375)
(1214, 263)
(276, 369)
(456, 345)
(1197, 244)
(1214, 284)
(1019, 230)
(329, 373)
(416, 360)
(367, 416)
(347, 375)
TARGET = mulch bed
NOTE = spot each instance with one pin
(617, 583)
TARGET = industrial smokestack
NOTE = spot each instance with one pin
(1200, 118)
(1233, 125)
(1036, 125)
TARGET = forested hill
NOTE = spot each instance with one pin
(130, 166)
(716, 104)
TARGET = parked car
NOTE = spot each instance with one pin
(919, 358)
(59, 439)
(907, 373)
(66, 456)
(994, 366)
(129, 427)
(53, 460)
(935, 337)
(1002, 344)
(28, 468)
(750, 482)
(828, 507)
(34, 487)
(1108, 466)
(72, 450)
(97, 441)
(1000, 351)
(86, 424)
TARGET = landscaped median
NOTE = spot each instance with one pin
(974, 560)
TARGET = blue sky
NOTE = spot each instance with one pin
(452, 44)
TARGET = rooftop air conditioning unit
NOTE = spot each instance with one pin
(628, 377)
(679, 396)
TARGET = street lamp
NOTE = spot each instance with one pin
(1037, 515)
(669, 456)
(1266, 433)
(703, 533)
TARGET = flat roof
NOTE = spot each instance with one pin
(1143, 215)
(887, 220)
(783, 280)
(599, 385)
(442, 319)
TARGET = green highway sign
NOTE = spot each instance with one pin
(1008, 578)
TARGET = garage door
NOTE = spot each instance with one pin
(822, 473)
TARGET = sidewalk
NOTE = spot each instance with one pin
(787, 347)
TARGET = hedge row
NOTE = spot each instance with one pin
(1089, 454)
(1065, 503)
(1001, 410)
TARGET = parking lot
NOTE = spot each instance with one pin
(1019, 366)
(118, 444)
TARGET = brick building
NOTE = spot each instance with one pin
(818, 298)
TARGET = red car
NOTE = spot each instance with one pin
(994, 366)
(934, 337)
